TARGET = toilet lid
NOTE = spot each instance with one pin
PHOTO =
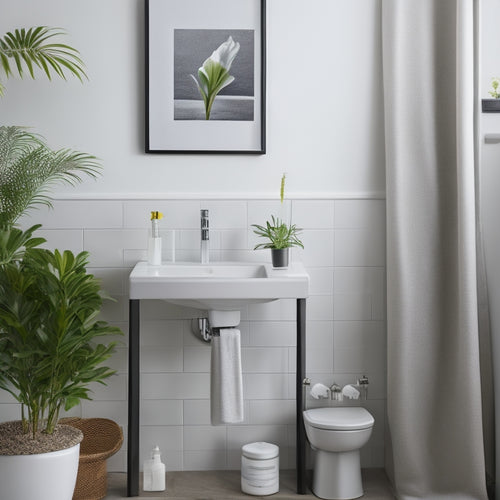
(339, 419)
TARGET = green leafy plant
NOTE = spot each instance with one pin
(49, 304)
(279, 234)
(25, 49)
(48, 324)
(28, 168)
(495, 83)
(214, 75)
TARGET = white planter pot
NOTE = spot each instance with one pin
(47, 476)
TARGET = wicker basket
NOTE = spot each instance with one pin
(101, 439)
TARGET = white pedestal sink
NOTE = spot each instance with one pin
(221, 286)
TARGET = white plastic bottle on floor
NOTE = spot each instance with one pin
(154, 472)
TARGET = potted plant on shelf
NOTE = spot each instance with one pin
(492, 105)
(48, 302)
(281, 236)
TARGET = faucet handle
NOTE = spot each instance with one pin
(204, 224)
(363, 384)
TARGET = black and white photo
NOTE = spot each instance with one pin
(219, 87)
(205, 76)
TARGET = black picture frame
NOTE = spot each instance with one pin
(181, 36)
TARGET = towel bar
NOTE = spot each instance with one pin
(491, 138)
(201, 328)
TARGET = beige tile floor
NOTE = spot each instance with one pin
(225, 485)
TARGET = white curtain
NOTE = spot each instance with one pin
(434, 389)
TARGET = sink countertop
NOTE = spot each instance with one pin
(218, 280)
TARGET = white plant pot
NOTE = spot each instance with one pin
(47, 476)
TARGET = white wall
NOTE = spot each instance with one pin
(325, 129)
(490, 187)
(324, 98)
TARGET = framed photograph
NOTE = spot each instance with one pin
(205, 76)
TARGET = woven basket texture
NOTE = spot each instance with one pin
(101, 439)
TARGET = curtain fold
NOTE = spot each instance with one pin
(434, 389)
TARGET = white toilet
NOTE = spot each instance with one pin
(336, 435)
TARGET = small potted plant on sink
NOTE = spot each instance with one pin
(281, 236)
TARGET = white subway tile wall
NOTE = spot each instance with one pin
(346, 325)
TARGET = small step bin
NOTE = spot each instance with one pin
(260, 466)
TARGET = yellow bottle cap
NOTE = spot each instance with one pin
(156, 215)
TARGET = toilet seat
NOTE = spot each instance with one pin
(339, 419)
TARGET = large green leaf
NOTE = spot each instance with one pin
(29, 168)
(34, 47)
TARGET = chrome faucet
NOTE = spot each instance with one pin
(335, 392)
(363, 384)
(204, 247)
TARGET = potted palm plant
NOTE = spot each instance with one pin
(48, 357)
(49, 331)
(281, 235)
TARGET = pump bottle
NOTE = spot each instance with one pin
(154, 472)
(154, 242)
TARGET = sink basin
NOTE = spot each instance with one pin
(204, 271)
(223, 286)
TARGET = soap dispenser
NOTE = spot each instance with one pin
(154, 472)
(154, 242)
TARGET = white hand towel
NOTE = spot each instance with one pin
(226, 386)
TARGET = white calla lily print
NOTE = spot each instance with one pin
(214, 75)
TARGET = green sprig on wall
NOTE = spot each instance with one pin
(25, 49)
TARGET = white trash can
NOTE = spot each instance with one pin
(260, 466)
